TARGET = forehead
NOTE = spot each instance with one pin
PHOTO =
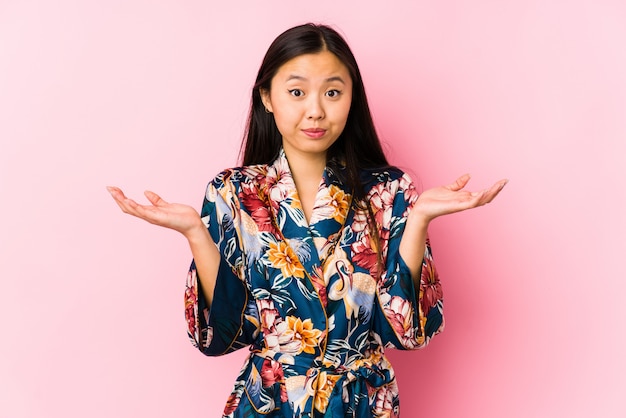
(313, 67)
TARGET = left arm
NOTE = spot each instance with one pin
(433, 203)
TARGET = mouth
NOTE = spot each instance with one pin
(314, 132)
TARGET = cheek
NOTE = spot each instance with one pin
(283, 118)
(344, 111)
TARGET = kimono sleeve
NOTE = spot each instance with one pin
(406, 317)
(225, 326)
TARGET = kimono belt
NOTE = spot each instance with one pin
(352, 389)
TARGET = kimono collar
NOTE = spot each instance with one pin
(331, 208)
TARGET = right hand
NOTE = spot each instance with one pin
(176, 216)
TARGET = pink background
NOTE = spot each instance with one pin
(153, 94)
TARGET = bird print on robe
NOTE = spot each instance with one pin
(356, 290)
(318, 301)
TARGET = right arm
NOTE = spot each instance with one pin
(183, 219)
(219, 316)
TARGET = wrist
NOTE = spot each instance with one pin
(197, 234)
(418, 220)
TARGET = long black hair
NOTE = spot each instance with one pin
(357, 148)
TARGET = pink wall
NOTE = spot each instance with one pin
(152, 94)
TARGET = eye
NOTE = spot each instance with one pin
(296, 92)
(333, 93)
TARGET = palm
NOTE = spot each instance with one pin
(452, 198)
(176, 216)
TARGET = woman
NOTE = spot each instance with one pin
(314, 252)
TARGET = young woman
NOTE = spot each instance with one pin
(314, 252)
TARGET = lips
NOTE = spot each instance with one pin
(314, 132)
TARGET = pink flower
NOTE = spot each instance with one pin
(384, 401)
(431, 290)
(364, 252)
(232, 403)
(269, 316)
(410, 193)
(317, 278)
(359, 222)
(279, 183)
(271, 372)
(400, 315)
(381, 200)
(191, 302)
(252, 200)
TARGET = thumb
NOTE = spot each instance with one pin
(459, 183)
(154, 198)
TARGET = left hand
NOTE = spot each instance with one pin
(452, 198)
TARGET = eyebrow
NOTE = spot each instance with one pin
(328, 80)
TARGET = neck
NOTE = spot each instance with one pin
(306, 168)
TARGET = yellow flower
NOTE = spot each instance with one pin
(339, 201)
(283, 257)
(302, 331)
(325, 384)
(334, 203)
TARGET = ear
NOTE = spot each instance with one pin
(265, 98)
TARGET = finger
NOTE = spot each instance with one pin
(147, 213)
(492, 192)
(497, 188)
(119, 198)
(459, 183)
(127, 205)
(116, 193)
(154, 198)
(131, 207)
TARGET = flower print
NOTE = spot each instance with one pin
(430, 286)
(371, 356)
(281, 192)
(191, 304)
(279, 183)
(406, 185)
(400, 315)
(232, 403)
(359, 221)
(301, 248)
(284, 340)
(272, 373)
(283, 257)
(325, 384)
(252, 200)
(303, 333)
(317, 279)
(269, 315)
(386, 403)
(333, 203)
(381, 200)
(255, 174)
(365, 253)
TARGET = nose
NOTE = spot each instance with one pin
(315, 110)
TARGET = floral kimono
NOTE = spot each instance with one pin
(308, 298)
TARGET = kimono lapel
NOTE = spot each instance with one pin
(310, 243)
(332, 205)
(287, 212)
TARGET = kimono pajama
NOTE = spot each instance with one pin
(308, 298)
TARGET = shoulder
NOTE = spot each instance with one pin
(239, 175)
(391, 177)
(231, 180)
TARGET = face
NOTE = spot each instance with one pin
(310, 98)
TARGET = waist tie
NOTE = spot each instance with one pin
(350, 394)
